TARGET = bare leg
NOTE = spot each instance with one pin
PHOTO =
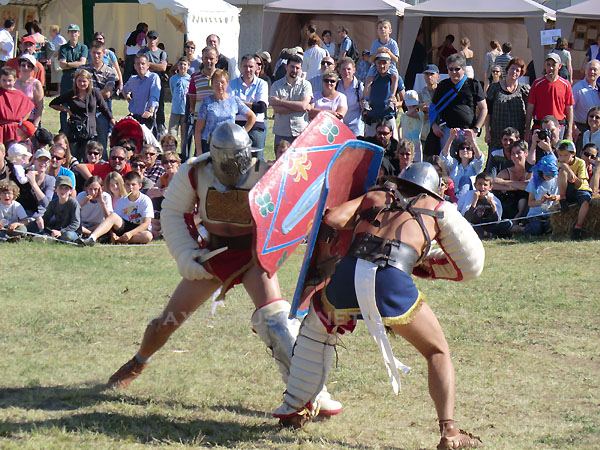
(260, 287)
(188, 296)
(114, 220)
(583, 212)
(562, 184)
(426, 335)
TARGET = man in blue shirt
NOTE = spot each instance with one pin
(345, 43)
(142, 91)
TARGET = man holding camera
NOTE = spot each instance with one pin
(544, 140)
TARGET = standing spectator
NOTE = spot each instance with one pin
(329, 99)
(593, 52)
(490, 61)
(254, 92)
(561, 49)
(465, 50)
(7, 43)
(328, 44)
(157, 63)
(179, 85)
(263, 63)
(134, 42)
(507, 104)
(411, 123)
(194, 62)
(586, 94)
(28, 48)
(363, 66)
(105, 80)
(417, 61)
(290, 98)
(62, 218)
(31, 87)
(345, 43)
(384, 44)
(503, 59)
(71, 56)
(14, 105)
(154, 168)
(142, 91)
(212, 40)
(444, 51)
(42, 49)
(110, 59)
(352, 88)
(550, 95)
(430, 142)
(462, 109)
(117, 162)
(327, 65)
(313, 56)
(218, 108)
(57, 40)
(82, 103)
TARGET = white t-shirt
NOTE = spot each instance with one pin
(6, 43)
(332, 105)
(135, 211)
(92, 213)
(311, 62)
(12, 213)
(134, 49)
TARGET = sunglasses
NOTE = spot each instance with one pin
(93, 153)
(329, 81)
(57, 158)
(464, 147)
(589, 155)
(138, 166)
(326, 63)
(454, 69)
(594, 117)
(187, 47)
(152, 38)
(384, 133)
(129, 149)
(171, 161)
(117, 158)
(151, 154)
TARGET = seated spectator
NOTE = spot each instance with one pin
(510, 184)
(449, 193)
(42, 139)
(171, 162)
(117, 162)
(130, 223)
(465, 160)
(18, 155)
(281, 148)
(545, 139)
(154, 168)
(96, 205)
(329, 99)
(589, 155)
(93, 152)
(499, 159)
(35, 195)
(405, 154)
(114, 185)
(13, 218)
(573, 184)
(138, 164)
(543, 193)
(130, 146)
(57, 165)
(62, 219)
(480, 206)
(593, 133)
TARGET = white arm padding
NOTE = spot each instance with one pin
(461, 256)
(180, 199)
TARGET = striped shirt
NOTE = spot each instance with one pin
(200, 88)
(502, 61)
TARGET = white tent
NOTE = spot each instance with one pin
(173, 19)
(480, 19)
(283, 18)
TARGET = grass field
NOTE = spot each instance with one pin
(524, 338)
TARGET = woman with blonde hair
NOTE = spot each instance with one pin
(81, 104)
(115, 186)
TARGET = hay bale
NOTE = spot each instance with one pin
(563, 223)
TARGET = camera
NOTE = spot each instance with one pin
(543, 135)
(461, 133)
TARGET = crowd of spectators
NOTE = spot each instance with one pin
(114, 191)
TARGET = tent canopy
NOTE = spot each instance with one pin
(372, 7)
(533, 13)
(589, 9)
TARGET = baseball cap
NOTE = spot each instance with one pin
(17, 151)
(382, 56)
(73, 27)
(63, 180)
(152, 34)
(566, 144)
(29, 58)
(29, 40)
(366, 52)
(42, 153)
(554, 57)
(431, 68)
(27, 128)
(265, 55)
(299, 50)
(411, 98)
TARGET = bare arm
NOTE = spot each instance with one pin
(342, 217)
(200, 123)
(291, 105)
(482, 107)
(158, 67)
(38, 100)
(528, 117)
(569, 125)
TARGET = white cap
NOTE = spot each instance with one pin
(17, 151)
(411, 98)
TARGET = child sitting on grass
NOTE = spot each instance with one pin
(573, 184)
(61, 220)
(13, 218)
(543, 192)
(96, 205)
(481, 206)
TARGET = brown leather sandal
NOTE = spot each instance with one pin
(462, 440)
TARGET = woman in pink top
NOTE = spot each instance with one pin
(329, 99)
(31, 87)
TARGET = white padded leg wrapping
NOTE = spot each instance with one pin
(313, 355)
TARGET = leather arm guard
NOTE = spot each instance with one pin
(461, 255)
(180, 199)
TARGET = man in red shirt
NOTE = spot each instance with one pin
(28, 47)
(117, 162)
(550, 95)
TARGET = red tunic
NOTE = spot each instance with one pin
(14, 108)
